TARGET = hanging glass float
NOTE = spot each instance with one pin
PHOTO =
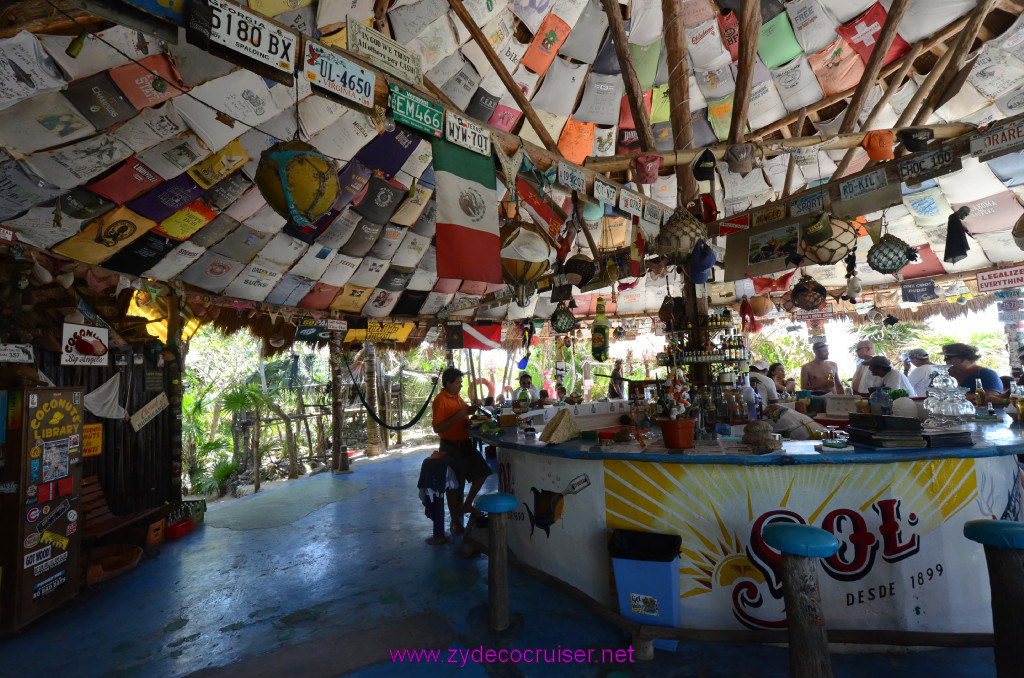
(525, 256)
(562, 320)
(828, 240)
(808, 294)
(298, 182)
(890, 254)
(679, 235)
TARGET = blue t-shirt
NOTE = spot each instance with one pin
(990, 380)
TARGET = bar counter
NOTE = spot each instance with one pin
(903, 562)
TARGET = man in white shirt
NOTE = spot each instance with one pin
(863, 381)
(921, 376)
(765, 384)
(887, 377)
(526, 385)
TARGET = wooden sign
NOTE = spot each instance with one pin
(383, 52)
(85, 345)
(1001, 279)
(993, 142)
(149, 411)
(380, 331)
(16, 353)
(925, 166)
(862, 184)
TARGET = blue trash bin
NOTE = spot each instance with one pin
(646, 566)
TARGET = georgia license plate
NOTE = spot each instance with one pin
(241, 31)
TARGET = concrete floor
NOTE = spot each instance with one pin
(331, 592)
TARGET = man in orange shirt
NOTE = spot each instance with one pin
(451, 423)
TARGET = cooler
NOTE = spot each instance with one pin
(646, 566)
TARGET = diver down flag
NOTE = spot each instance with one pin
(468, 243)
(482, 337)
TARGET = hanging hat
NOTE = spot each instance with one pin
(647, 166)
(740, 158)
(878, 144)
(701, 262)
(956, 238)
(704, 166)
(915, 139)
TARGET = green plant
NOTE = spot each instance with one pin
(216, 481)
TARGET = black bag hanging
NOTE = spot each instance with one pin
(956, 237)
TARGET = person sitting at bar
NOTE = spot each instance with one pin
(526, 386)
(791, 385)
(777, 373)
(560, 393)
(821, 375)
(617, 386)
(545, 398)
(887, 377)
(765, 384)
(451, 424)
(921, 376)
(862, 378)
(963, 366)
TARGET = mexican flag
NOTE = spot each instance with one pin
(468, 243)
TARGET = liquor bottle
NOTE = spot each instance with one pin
(600, 334)
(979, 393)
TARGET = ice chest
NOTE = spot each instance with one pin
(646, 566)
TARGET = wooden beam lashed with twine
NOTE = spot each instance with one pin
(503, 74)
(679, 94)
(750, 34)
(634, 94)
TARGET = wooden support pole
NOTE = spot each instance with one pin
(808, 637)
(791, 167)
(498, 613)
(750, 34)
(896, 83)
(958, 51)
(679, 94)
(503, 74)
(874, 65)
(339, 452)
(380, 17)
(634, 94)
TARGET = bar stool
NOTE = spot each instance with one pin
(801, 545)
(1004, 552)
(496, 505)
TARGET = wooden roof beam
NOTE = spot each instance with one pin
(896, 83)
(634, 95)
(960, 49)
(750, 34)
(679, 94)
(503, 74)
(380, 16)
(38, 16)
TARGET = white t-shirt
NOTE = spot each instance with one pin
(921, 377)
(896, 380)
(534, 393)
(765, 386)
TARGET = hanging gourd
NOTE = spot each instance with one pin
(298, 182)
(525, 256)
(679, 235)
(761, 305)
(828, 240)
(808, 294)
(579, 270)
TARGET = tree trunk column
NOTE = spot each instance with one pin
(339, 452)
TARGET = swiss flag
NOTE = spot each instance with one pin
(481, 337)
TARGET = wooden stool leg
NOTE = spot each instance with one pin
(808, 637)
(1004, 572)
(497, 572)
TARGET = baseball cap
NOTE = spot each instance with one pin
(760, 365)
(704, 165)
(701, 261)
(818, 344)
(878, 144)
(915, 139)
(879, 361)
(918, 353)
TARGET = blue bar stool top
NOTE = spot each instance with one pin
(1003, 534)
(801, 540)
(497, 502)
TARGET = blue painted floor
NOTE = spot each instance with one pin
(329, 593)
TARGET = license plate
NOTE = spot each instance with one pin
(631, 203)
(809, 204)
(862, 185)
(336, 74)
(988, 144)
(573, 177)
(416, 112)
(250, 35)
(604, 191)
(466, 133)
(928, 165)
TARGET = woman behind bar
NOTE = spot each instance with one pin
(963, 366)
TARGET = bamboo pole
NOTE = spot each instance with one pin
(791, 167)
(679, 94)
(897, 82)
(750, 34)
(634, 94)
(503, 74)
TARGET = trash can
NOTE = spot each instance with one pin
(646, 566)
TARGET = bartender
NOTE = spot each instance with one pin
(765, 384)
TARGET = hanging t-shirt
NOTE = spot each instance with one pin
(601, 97)
(546, 43)
(844, 10)
(996, 72)
(837, 67)
(716, 80)
(704, 44)
(729, 24)
(587, 35)
(796, 84)
(765, 105)
(862, 34)
(561, 85)
(814, 27)
(777, 44)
